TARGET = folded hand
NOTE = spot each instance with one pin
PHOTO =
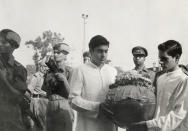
(60, 76)
(138, 126)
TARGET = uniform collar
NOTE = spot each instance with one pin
(95, 66)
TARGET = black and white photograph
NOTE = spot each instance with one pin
(93, 65)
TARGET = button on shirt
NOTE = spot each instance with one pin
(89, 85)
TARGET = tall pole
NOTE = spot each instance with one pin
(84, 16)
(37, 59)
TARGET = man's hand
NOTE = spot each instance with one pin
(60, 77)
(138, 126)
(104, 110)
(107, 112)
(140, 123)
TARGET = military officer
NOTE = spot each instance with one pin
(12, 83)
(56, 84)
(139, 56)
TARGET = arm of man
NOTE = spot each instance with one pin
(176, 113)
(88, 108)
(32, 83)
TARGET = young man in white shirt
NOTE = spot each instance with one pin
(88, 88)
(172, 90)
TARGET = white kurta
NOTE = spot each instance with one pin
(89, 85)
(172, 91)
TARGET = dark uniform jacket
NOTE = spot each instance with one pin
(16, 75)
(10, 109)
(52, 86)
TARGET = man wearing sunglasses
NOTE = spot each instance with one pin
(59, 112)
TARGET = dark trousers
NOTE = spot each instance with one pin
(36, 121)
(10, 116)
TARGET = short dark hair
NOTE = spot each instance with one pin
(98, 40)
(86, 54)
(171, 47)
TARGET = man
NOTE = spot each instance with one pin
(86, 56)
(139, 57)
(13, 83)
(59, 112)
(37, 79)
(38, 98)
(172, 90)
(89, 86)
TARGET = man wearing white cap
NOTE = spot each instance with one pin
(59, 112)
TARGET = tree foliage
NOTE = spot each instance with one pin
(43, 44)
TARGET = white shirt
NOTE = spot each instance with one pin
(171, 109)
(88, 88)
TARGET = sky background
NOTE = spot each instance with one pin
(125, 23)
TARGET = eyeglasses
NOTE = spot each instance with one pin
(139, 55)
(60, 51)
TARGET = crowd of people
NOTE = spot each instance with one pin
(47, 101)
